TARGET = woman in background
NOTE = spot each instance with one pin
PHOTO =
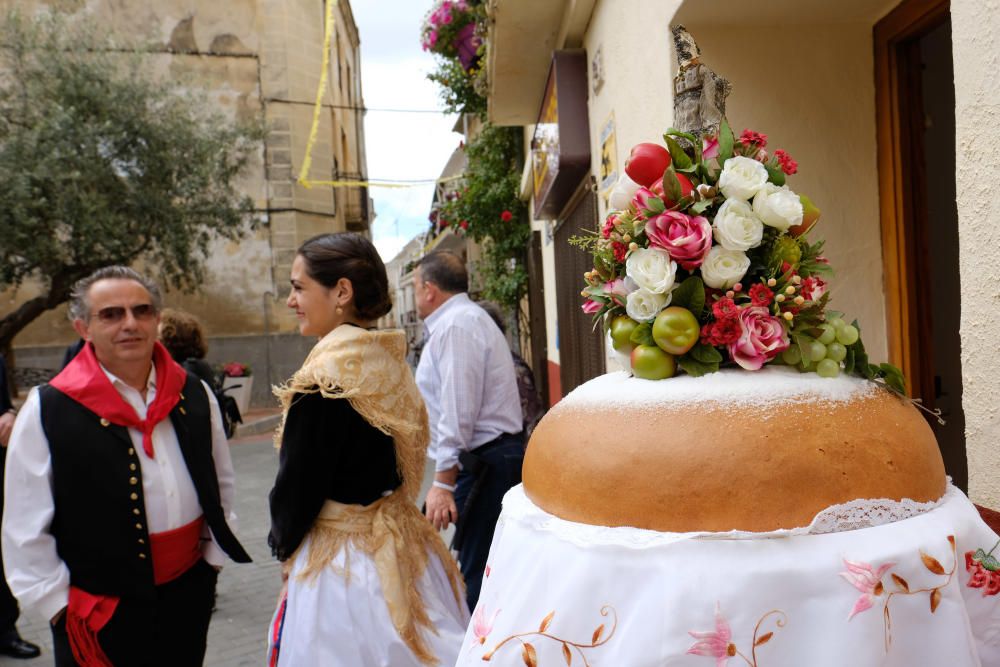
(369, 583)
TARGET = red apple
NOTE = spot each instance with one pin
(646, 163)
(651, 363)
(657, 189)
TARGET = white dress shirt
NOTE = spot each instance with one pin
(467, 378)
(38, 578)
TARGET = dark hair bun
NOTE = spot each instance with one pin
(330, 257)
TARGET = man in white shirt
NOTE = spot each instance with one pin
(119, 488)
(467, 378)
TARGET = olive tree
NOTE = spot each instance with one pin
(102, 163)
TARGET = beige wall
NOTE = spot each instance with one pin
(249, 56)
(976, 27)
(819, 106)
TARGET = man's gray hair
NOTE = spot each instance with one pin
(79, 307)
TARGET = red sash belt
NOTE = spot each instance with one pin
(174, 553)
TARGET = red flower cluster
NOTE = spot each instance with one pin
(620, 250)
(721, 332)
(761, 295)
(981, 577)
(725, 308)
(726, 329)
(506, 216)
(750, 137)
(788, 165)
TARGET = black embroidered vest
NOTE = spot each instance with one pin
(100, 523)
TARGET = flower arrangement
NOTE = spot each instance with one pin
(450, 30)
(704, 261)
(235, 369)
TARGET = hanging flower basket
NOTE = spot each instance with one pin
(467, 44)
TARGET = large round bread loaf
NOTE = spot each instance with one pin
(734, 450)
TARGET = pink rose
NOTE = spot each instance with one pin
(763, 337)
(709, 147)
(592, 307)
(641, 201)
(687, 239)
(618, 290)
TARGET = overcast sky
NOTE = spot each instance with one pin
(400, 145)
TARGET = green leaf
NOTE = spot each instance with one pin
(725, 142)
(849, 362)
(643, 334)
(893, 377)
(655, 205)
(690, 294)
(680, 160)
(673, 132)
(699, 206)
(671, 186)
(774, 174)
(706, 354)
(695, 368)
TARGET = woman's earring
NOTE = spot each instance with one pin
(339, 310)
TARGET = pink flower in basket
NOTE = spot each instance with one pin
(235, 369)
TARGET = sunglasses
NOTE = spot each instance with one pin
(115, 314)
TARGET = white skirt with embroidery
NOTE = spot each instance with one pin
(332, 622)
(915, 592)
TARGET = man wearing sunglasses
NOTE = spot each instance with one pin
(119, 480)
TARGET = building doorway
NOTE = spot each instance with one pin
(915, 103)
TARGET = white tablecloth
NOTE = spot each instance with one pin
(560, 593)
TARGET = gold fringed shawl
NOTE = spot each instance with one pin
(368, 369)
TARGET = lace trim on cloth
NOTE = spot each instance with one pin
(852, 515)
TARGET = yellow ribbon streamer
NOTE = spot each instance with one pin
(303, 178)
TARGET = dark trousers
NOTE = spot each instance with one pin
(9, 611)
(169, 631)
(479, 509)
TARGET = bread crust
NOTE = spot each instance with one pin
(712, 467)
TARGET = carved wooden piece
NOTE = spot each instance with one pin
(699, 93)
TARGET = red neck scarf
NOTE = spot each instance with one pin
(85, 382)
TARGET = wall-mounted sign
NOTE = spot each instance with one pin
(560, 147)
(608, 169)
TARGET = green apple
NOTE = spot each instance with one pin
(622, 327)
(810, 214)
(676, 330)
(651, 363)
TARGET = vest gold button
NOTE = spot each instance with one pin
(133, 481)
(183, 411)
(134, 496)
(105, 422)
(131, 451)
(142, 541)
(136, 512)
(138, 526)
(181, 395)
(142, 555)
(131, 466)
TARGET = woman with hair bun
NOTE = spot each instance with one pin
(369, 582)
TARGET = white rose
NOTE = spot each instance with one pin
(736, 227)
(652, 269)
(778, 207)
(724, 268)
(742, 177)
(623, 192)
(643, 305)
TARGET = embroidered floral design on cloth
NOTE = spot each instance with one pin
(481, 628)
(984, 570)
(569, 648)
(868, 580)
(719, 644)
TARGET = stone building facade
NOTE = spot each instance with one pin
(253, 57)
